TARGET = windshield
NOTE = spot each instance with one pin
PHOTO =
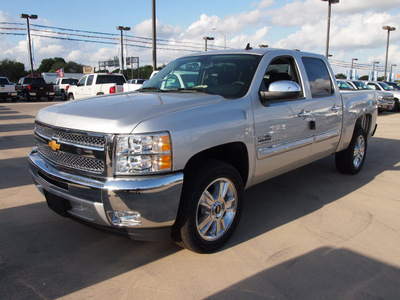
(228, 75)
(386, 87)
(361, 85)
(344, 85)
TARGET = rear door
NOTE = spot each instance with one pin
(326, 107)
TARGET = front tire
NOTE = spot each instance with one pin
(351, 160)
(210, 209)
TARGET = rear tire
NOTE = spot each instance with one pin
(210, 209)
(71, 97)
(27, 97)
(351, 160)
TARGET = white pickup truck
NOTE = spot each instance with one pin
(173, 158)
(7, 89)
(96, 84)
(133, 85)
(61, 86)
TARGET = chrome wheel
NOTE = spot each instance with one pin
(216, 209)
(359, 151)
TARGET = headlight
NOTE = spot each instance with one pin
(147, 153)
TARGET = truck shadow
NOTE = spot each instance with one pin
(324, 273)
(293, 195)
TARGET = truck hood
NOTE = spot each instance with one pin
(119, 113)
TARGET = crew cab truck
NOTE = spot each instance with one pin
(96, 84)
(35, 88)
(61, 86)
(173, 158)
(7, 90)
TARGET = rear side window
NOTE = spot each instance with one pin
(3, 81)
(318, 77)
(119, 80)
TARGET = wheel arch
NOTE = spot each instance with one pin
(235, 154)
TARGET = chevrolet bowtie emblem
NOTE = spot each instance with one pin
(54, 146)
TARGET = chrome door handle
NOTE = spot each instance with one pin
(304, 113)
(336, 108)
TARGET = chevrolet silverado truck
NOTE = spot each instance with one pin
(35, 88)
(173, 159)
(95, 85)
(7, 89)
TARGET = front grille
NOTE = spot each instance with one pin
(84, 152)
(72, 160)
(71, 138)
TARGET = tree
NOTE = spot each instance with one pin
(73, 67)
(340, 76)
(12, 69)
(365, 77)
(49, 64)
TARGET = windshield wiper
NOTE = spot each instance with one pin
(150, 88)
(193, 89)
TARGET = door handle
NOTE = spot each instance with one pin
(304, 113)
(336, 108)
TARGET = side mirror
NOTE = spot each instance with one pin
(283, 89)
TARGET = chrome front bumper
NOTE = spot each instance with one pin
(154, 199)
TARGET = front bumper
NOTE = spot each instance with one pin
(155, 199)
(385, 105)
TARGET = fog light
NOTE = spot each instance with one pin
(125, 218)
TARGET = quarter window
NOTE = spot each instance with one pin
(318, 77)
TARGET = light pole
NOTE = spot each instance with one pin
(373, 70)
(222, 34)
(351, 68)
(207, 38)
(122, 28)
(330, 2)
(27, 17)
(391, 70)
(389, 29)
(153, 6)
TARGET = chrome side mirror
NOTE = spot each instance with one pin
(283, 89)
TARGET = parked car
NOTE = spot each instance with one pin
(7, 89)
(61, 86)
(96, 84)
(137, 81)
(174, 162)
(385, 99)
(35, 87)
(133, 85)
(395, 85)
(382, 86)
(343, 85)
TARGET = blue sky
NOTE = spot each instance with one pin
(356, 28)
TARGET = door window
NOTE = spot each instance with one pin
(281, 68)
(318, 77)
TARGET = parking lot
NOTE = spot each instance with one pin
(312, 233)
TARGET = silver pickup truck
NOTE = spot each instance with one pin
(173, 158)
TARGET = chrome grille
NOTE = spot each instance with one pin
(72, 160)
(71, 138)
(84, 152)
